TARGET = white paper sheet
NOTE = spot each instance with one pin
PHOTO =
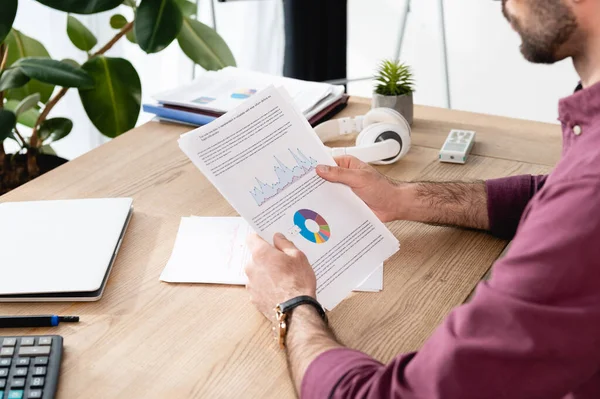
(212, 250)
(262, 157)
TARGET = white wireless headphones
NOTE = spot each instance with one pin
(384, 136)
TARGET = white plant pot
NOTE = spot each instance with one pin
(402, 104)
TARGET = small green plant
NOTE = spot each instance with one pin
(394, 79)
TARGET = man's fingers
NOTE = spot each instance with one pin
(284, 245)
(349, 177)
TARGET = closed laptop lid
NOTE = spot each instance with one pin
(59, 246)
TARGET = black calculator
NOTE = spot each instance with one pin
(29, 366)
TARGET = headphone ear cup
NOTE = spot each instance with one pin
(386, 131)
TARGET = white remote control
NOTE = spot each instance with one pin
(457, 146)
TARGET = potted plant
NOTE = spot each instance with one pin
(32, 83)
(394, 89)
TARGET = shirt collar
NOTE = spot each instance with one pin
(582, 107)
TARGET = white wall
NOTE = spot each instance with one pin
(487, 72)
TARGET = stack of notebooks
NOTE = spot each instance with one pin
(217, 92)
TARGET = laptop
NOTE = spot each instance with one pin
(54, 251)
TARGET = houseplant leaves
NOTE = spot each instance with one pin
(27, 118)
(7, 17)
(13, 78)
(118, 21)
(55, 72)
(157, 23)
(82, 6)
(80, 35)
(21, 46)
(54, 129)
(27, 103)
(7, 122)
(204, 46)
(113, 105)
(187, 7)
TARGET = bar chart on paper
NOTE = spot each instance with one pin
(286, 176)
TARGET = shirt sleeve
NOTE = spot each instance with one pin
(507, 198)
(531, 331)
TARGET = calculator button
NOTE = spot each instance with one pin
(27, 341)
(2, 384)
(37, 382)
(45, 341)
(22, 361)
(40, 361)
(34, 350)
(5, 363)
(15, 395)
(6, 352)
(39, 371)
(35, 394)
(3, 373)
(20, 372)
(9, 342)
(18, 383)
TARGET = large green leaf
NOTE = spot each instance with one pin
(27, 118)
(21, 46)
(80, 35)
(55, 72)
(157, 23)
(13, 78)
(82, 6)
(188, 8)
(113, 105)
(7, 17)
(54, 129)
(204, 46)
(7, 122)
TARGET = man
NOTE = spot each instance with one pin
(533, 329)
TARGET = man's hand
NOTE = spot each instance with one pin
(377, 191)
(452, 203)
(277, 273)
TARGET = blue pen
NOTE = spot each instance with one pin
(35, 321)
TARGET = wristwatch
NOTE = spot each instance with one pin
(283, 309)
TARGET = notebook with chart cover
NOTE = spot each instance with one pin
(60, 250)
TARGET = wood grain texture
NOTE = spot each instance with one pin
(148, 339)
(497, 137)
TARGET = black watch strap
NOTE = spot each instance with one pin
(287, 306)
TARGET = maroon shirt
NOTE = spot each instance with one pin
(532, 330)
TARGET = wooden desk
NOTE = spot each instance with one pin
(147, 339)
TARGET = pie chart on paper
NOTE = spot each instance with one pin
(313, 226)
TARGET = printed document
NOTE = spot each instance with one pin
(262, 156)
(212, 250)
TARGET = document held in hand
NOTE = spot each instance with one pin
(262, 157)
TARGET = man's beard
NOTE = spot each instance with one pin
(557, 25)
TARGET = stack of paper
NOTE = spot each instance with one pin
(262, 157)
(213, 250)
(217, 92)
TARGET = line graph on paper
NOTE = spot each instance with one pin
(286, 176)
